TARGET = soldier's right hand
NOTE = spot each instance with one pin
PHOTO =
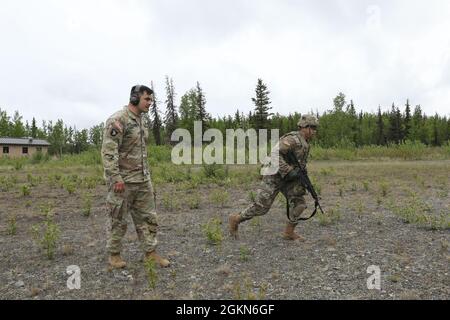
(119, 187)
(294, 174)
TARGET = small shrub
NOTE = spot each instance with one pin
(359, 208)
(366, 185)
(87, 204)
(30, 179)
(169, 202)
(67, 250)
(39, 157)
(18, 165)
(46, 235)
(46, 209)
(384, 188)
(244, 253)
(70, 187)
(150, 271)
(194, 202)
(332, 216)
(213, 171)
(246, 292)
(26, 190)
(90, 182)
(252, 196)
(213, 231)
(379, 201)
(219, 197)
(5, 184)
(12, 225)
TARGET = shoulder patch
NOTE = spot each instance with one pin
(117, 126)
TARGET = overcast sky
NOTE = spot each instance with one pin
(77, 60)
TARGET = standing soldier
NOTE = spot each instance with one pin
(285, 180)
(124, 154)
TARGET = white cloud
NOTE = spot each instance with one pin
(76, 60)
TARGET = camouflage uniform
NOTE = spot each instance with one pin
(124, 155)
(271, 185)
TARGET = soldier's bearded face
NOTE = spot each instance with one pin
(145, 102)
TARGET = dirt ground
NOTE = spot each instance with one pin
(363, 229)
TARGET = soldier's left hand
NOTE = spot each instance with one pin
(119, 187)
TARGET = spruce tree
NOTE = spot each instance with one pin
(18, 129)
(34, 129)
(262, 108)
(200, 106)
(407, 121)
(237, 119)
(156, 119)
(380, 128)
(395, 134)
(4, 124)
(171, 116)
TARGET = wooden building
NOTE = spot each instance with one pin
(22, 147)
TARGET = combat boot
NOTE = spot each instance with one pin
(158, 259)
(233, 223)
(289, 233)
(116, 261)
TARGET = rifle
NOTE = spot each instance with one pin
(306, 183)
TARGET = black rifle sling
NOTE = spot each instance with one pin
(306, 183)
(300, 218)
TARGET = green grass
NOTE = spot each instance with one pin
(418, 212)
(406, 151)
(158, 155)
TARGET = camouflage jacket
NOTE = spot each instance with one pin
(292, 141)
(124, 148)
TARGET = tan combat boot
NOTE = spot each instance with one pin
(158, 259)
(115, 261)
(289, 233)
(233, 224)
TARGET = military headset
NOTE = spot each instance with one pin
(134, 95)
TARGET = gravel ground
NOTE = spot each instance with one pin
(331, 264)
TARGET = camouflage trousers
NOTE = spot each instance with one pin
(138, 200)
(268, 190)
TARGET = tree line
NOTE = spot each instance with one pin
(340, 126)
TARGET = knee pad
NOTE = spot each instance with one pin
(298, 209)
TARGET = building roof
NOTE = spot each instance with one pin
(23, 141)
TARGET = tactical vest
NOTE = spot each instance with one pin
(301, 142)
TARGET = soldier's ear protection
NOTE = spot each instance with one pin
(134, 95)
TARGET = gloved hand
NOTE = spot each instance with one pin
(294, 174)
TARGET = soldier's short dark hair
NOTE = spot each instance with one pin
(136, 93)
(141, 89)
